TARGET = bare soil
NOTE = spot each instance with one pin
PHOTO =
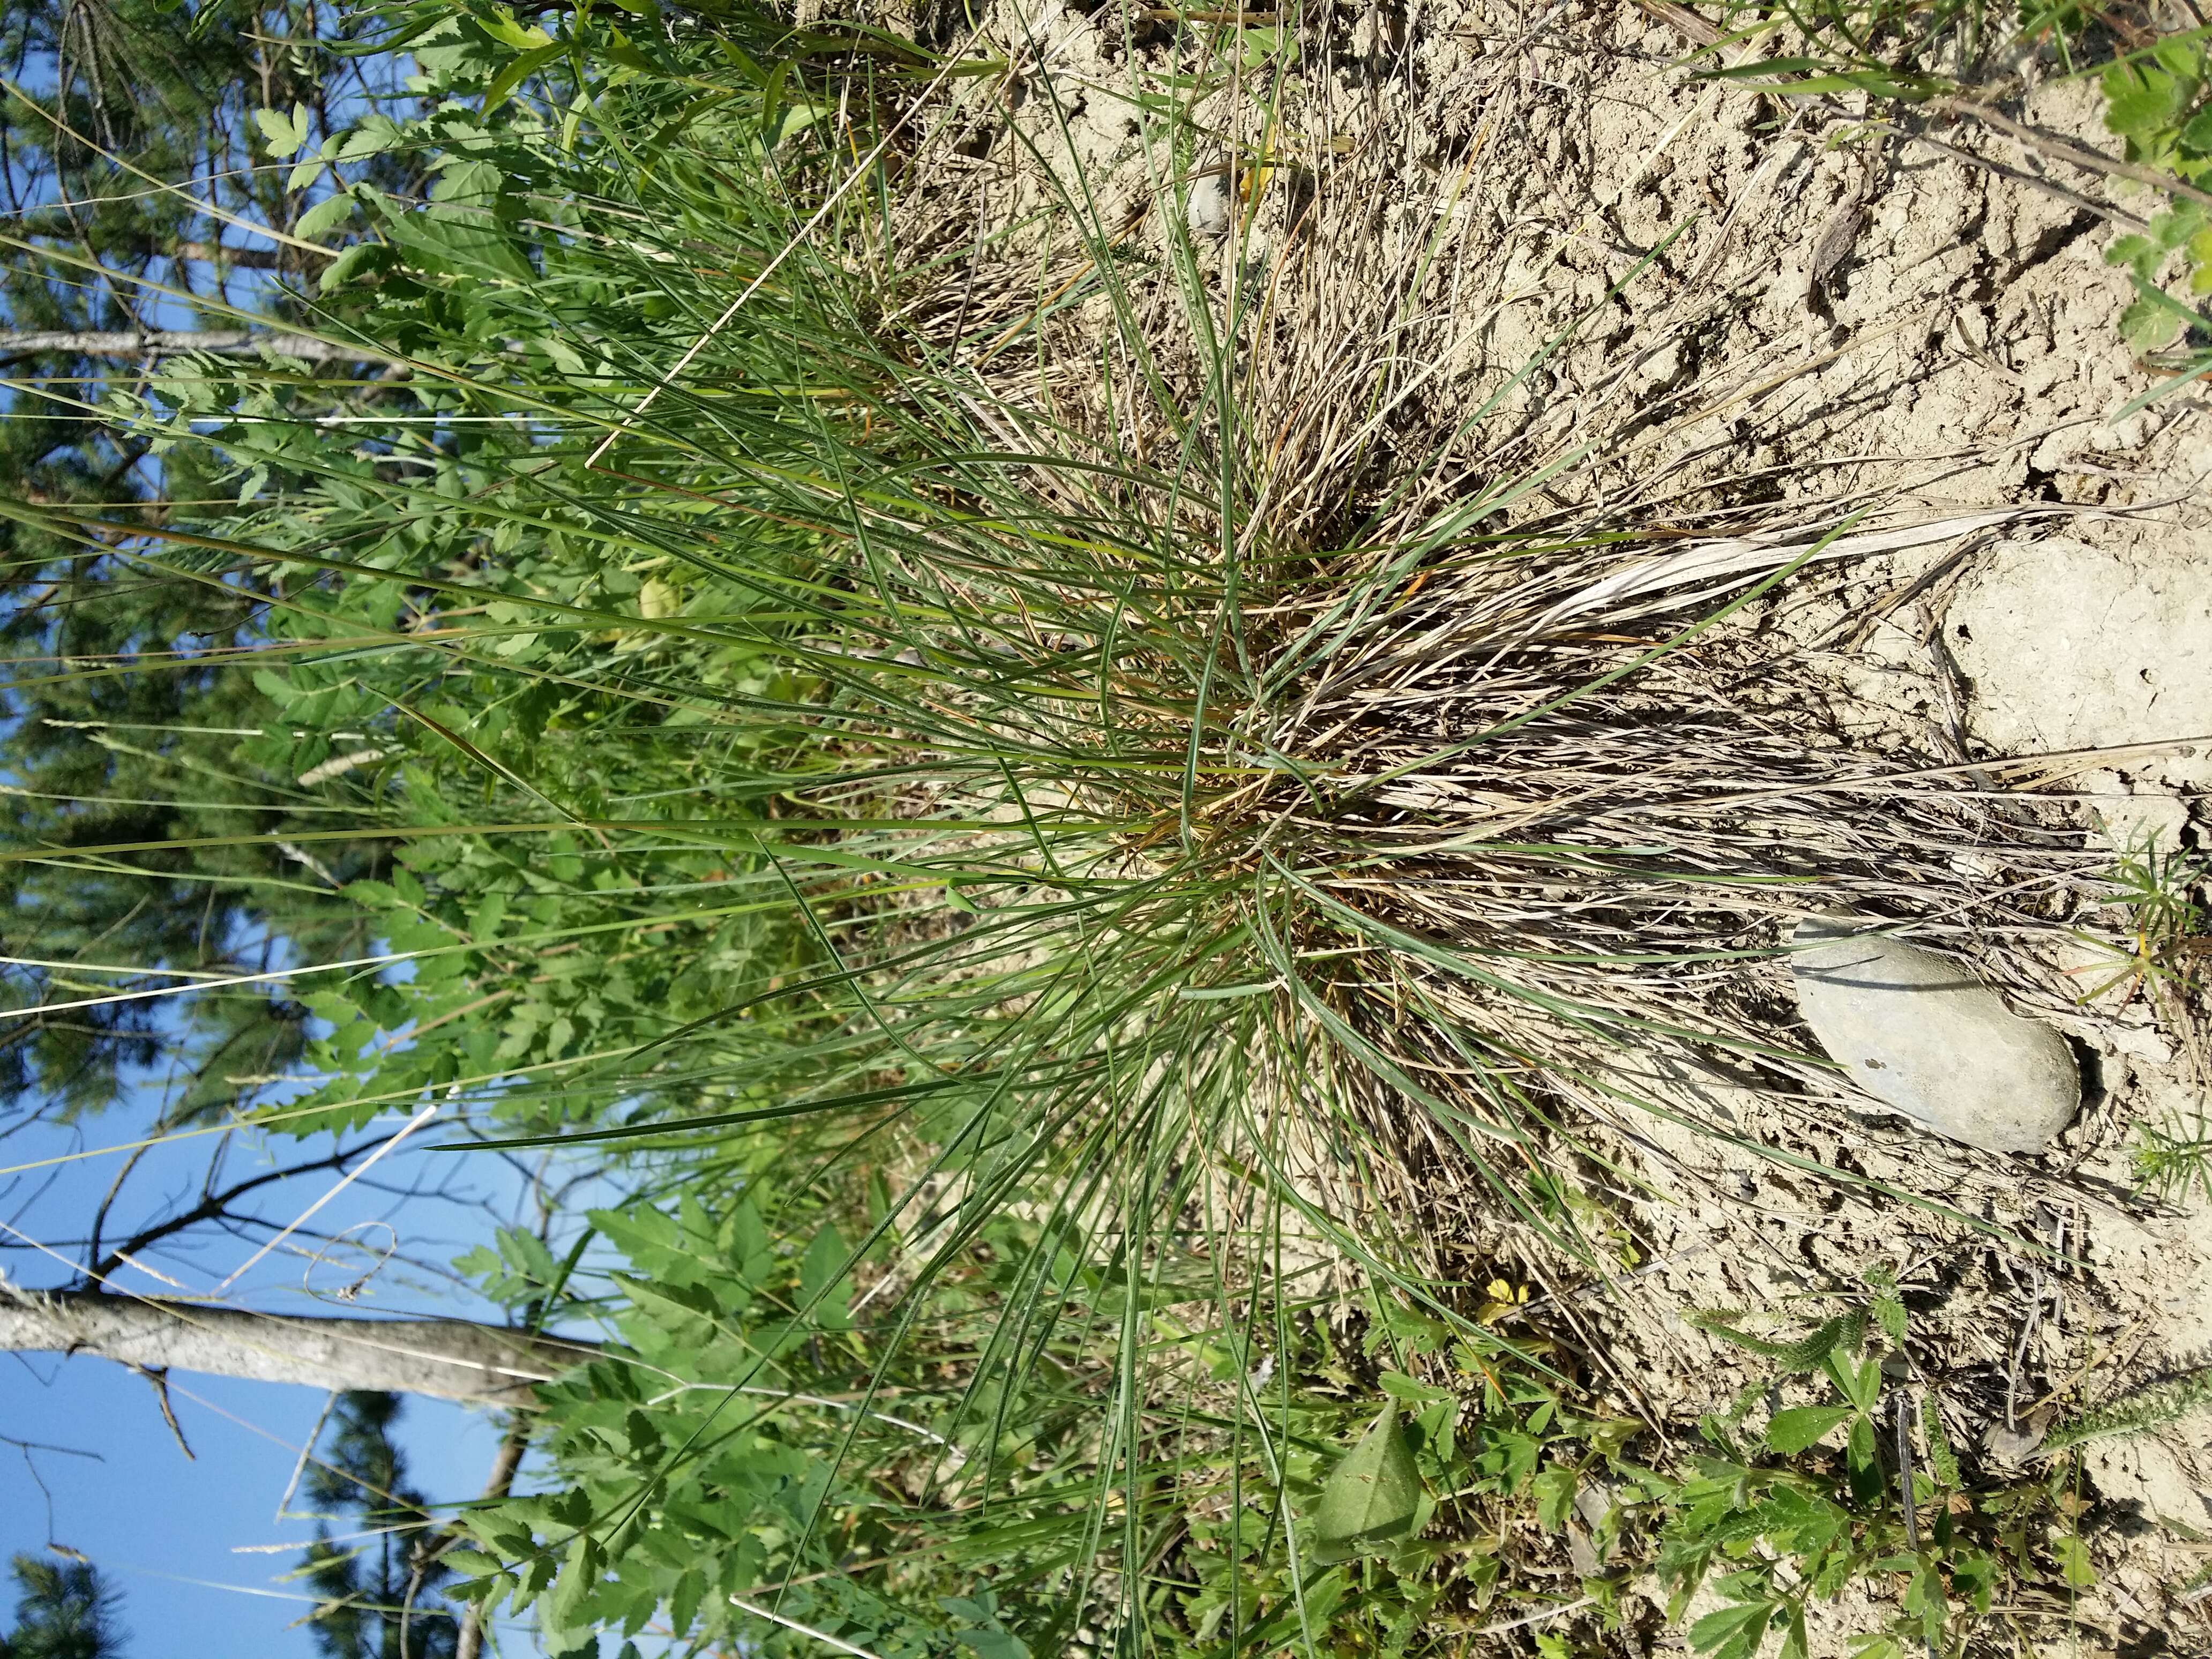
(1780, 311)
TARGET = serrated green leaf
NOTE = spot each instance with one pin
(357, 261)
(328, 213)
(502, 27)
(520, 69)
(283, 133)
(2141, 103)
(684, 1604)
(1805, 1354)
(580, 1573)
(1792, 1431)
(1554, 1491)
(1732, 1632)
(2183, 58)
(1888, 1306)
(2139, 252)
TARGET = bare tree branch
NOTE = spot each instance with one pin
(450, 1359)
(210, 1208)
(168, 342)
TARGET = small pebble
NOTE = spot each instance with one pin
(1207, 211)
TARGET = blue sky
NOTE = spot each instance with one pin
(187, 1539)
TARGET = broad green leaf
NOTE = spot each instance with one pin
(502, 27)
(1554, 1490)
(819, 1285)
(2073, 1557)
(2142, 104)
(1258, 47)
(1924, 1597)
(1791, 1431)
(520, 69)
(328, 213)
(2183, 58)
(1973, 1578)
(1411, 1391)
(1861, 1383)
(1862, 1464)
(565, 1603)
(2140, 252)
(1371, 1498)
(357, 261)
(684, 1605)
(1732, 1632)
(2147, 325)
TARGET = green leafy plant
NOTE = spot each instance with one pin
(2140, 1411)
(1772, 1538)
(2156, 101)
(2159, 888)
(1373, 1499)
(2174, 1157)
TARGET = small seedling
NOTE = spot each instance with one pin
(2167, 926)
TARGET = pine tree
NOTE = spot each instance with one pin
(64, 1611)
(123, 718)
(380, 1596)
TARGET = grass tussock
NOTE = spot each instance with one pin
(1118, 847)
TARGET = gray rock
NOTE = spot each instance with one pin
(1918, 1031)
(1207, 210)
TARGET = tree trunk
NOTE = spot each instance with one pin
(168, 342)
(451, 1359)
(245, 259)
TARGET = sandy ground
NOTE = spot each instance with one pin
(1964, 353)
(1779, 311)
